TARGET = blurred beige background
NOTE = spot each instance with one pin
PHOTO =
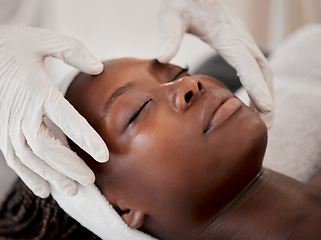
(119, 28)
(270, 21)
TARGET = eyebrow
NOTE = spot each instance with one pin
(116, 94)
(123, 89)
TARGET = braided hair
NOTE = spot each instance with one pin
(26, 216)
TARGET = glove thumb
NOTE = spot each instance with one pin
(172, 27)
(72, 52)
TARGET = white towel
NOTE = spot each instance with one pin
(91, 209)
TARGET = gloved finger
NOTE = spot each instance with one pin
(36, 184)
(38, 166)
(45, 171)
(172, 27)
(75, 126)
(267, 74)
(238, 56)
(46, 147)
(72, 52)
(267, 117)
(266, 70)
(262, 63)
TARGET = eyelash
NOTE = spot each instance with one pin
(136, 114)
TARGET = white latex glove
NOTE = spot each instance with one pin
(27, 95)
(212, 22)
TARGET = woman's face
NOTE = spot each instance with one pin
(179, 144)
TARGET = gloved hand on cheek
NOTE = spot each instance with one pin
(213, 22)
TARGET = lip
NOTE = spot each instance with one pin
(223, 111)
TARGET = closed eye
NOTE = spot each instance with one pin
(136, 114)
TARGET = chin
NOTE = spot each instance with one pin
(256, 144)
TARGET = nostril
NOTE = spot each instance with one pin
(188, 96)
(199, 85)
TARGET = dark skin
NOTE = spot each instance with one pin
(186, 157)
(316, 180)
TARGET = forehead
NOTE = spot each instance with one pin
(89, 94)
(120, 72)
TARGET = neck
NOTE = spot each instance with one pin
(274, 206)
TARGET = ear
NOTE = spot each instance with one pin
(133, 218)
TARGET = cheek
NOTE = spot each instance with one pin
(170, 156)
(163, 149)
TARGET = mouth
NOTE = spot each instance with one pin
(222, 113)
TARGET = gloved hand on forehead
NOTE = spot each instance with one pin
(212, 22)
(27, 95)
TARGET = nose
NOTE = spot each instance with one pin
(184, 92)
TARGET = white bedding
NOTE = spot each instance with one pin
(294, 140)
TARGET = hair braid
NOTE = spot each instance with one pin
(26, 216)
